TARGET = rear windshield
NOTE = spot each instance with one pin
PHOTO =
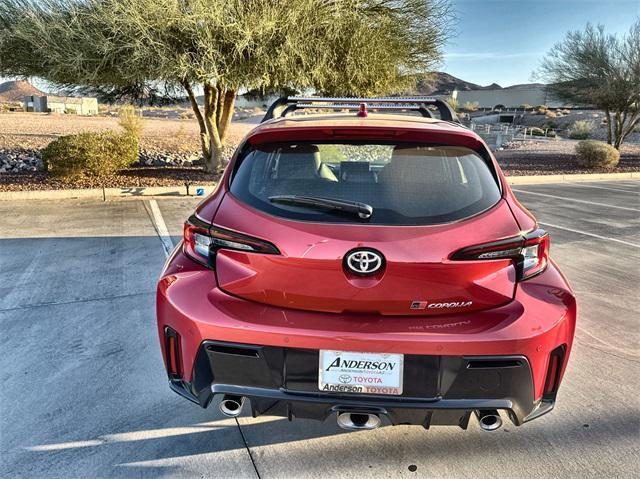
(404, 184)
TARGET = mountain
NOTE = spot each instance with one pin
(524, 86)
(440, 83)
(16, 90)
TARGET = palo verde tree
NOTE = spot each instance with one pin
(591, 67)
(217, 47)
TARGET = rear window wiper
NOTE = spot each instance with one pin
(363, 210)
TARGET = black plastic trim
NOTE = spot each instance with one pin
(285, 105)
(437, 389)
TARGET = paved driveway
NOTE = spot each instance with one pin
(84, 392)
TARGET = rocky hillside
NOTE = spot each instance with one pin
(15, 90)
(440, 83)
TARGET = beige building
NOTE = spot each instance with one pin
(512, 97)
(61, 104)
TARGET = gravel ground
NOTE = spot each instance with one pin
(555, 157)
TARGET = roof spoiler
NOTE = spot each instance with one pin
(288, 104)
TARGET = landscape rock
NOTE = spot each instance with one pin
(15, 160)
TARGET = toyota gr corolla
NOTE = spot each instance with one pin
(369, 266)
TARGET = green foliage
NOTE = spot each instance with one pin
(91, 154)
(597, 154)
(591, 67)
(471, 106)
(541, 109)
(581, 130)
(537, 131)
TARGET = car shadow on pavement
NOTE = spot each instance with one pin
(141, 453)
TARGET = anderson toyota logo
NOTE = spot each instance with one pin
(364, 261)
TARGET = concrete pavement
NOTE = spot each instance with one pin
(84, 392)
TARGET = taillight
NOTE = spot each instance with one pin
(197, 241)
(529, 252)
(202, 240)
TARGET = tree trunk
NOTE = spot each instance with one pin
(609, 133)
(227, 113)
(618, 132)
(214, 120)
(213, 163)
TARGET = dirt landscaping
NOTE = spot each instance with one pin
(165, 137)
(556, 157)
(36, 130)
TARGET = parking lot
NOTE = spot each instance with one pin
(84, 392)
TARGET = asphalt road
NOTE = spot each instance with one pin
(84, 392)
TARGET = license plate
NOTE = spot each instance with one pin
(364, 373)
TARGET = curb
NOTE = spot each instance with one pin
(169, 192)
(105, 194)
(550, 179)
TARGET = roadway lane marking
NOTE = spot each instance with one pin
(167, 245)
(577, 201)
(161, 228)
(593, 235)
(632, 192)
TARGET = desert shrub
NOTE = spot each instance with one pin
(131, 122)
(550, 114)
(541, 109)
(550, 125)
(526, 106)
(596, 154)
(90, 154)
(537, 131)
(453, 103)
(471, 106)
(581, 130)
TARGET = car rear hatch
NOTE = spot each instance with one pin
(422, 215)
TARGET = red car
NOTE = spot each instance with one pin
(372, 266)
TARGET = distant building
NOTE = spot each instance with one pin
(512, 97)
(61, 104)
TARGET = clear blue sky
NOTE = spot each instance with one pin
(502, 41)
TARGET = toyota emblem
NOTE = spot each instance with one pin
(364, 261)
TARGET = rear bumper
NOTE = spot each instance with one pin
(438, 390)
(540, 319)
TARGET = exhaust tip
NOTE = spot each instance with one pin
(231, 406)
(489, 420)
(352, 421)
